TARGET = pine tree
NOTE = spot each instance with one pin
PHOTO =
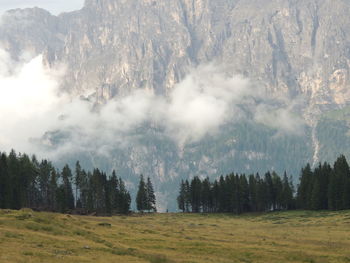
(253, 193)
(114, 192)
(108, 190)
(287, 193)
(187, 196)
(324, 174)
(15, 186)
(315, 202)
(151, 198)
(339, 183)
(244, 194)
(270, 193)
(84, 190)
(333, 194)
(45, 169)
(125, 199)
(78, 179)
(52, 199)
(230, 197)
(68, 197)
(206, 195)
(305, 188)
(182, 197)
(215, 196)
(277, 191)
(4, 183)
(261, 194)
(223, 196)
(196, 189)
(141, 197)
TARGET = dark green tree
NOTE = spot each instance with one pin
(206, 195)
(305, 188)
(196, 189)
(52, 198)
(5, 184)
(182, 197)
(141, 197)
(124, 198)
(68, 198)
(287, 201)
(151, 198)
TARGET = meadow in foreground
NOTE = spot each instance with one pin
(296, 236)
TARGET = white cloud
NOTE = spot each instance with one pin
(282, 119)
(27, 98)
(199, 105)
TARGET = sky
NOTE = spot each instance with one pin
(54, 6)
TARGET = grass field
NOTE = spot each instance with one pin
(27, 236)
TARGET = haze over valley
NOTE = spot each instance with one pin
(177, 89)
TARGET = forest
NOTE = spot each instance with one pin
(322, 188)
(26, 182)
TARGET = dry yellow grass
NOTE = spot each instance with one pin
(26, 236)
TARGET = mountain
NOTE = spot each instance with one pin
(298, 48)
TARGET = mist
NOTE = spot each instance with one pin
(32, 108)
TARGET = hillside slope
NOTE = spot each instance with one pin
(26, 236)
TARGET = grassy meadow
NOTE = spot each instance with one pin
(297, 236)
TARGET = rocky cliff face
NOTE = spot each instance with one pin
(112, 47)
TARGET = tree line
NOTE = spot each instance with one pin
(145, 198)
(236, 193)
(27, 182)
(325, 187)
(322, 188)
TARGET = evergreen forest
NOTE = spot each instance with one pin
(322, 188)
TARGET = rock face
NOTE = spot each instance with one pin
(30, 30)
(112, 47)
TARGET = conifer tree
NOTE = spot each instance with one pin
(305, 187)
(52, 198)
(45, 169)
(215, 196)
(84, 190)
(338, 185)
(68, 198)
(26, 182)
(182, 197)
(206, 195)
(151, 198)
(324, 174)
(277, 191)
(287, 193)
(253, 202)
(261, 194)
(187, 196)
(141, 197)
(196, 189)
(125, 199)
(78, 178)
(114, 192)
(4, 183)
(224, 196)
(315, 201)
(244, 196)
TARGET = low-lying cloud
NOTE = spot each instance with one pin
(31, 110)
